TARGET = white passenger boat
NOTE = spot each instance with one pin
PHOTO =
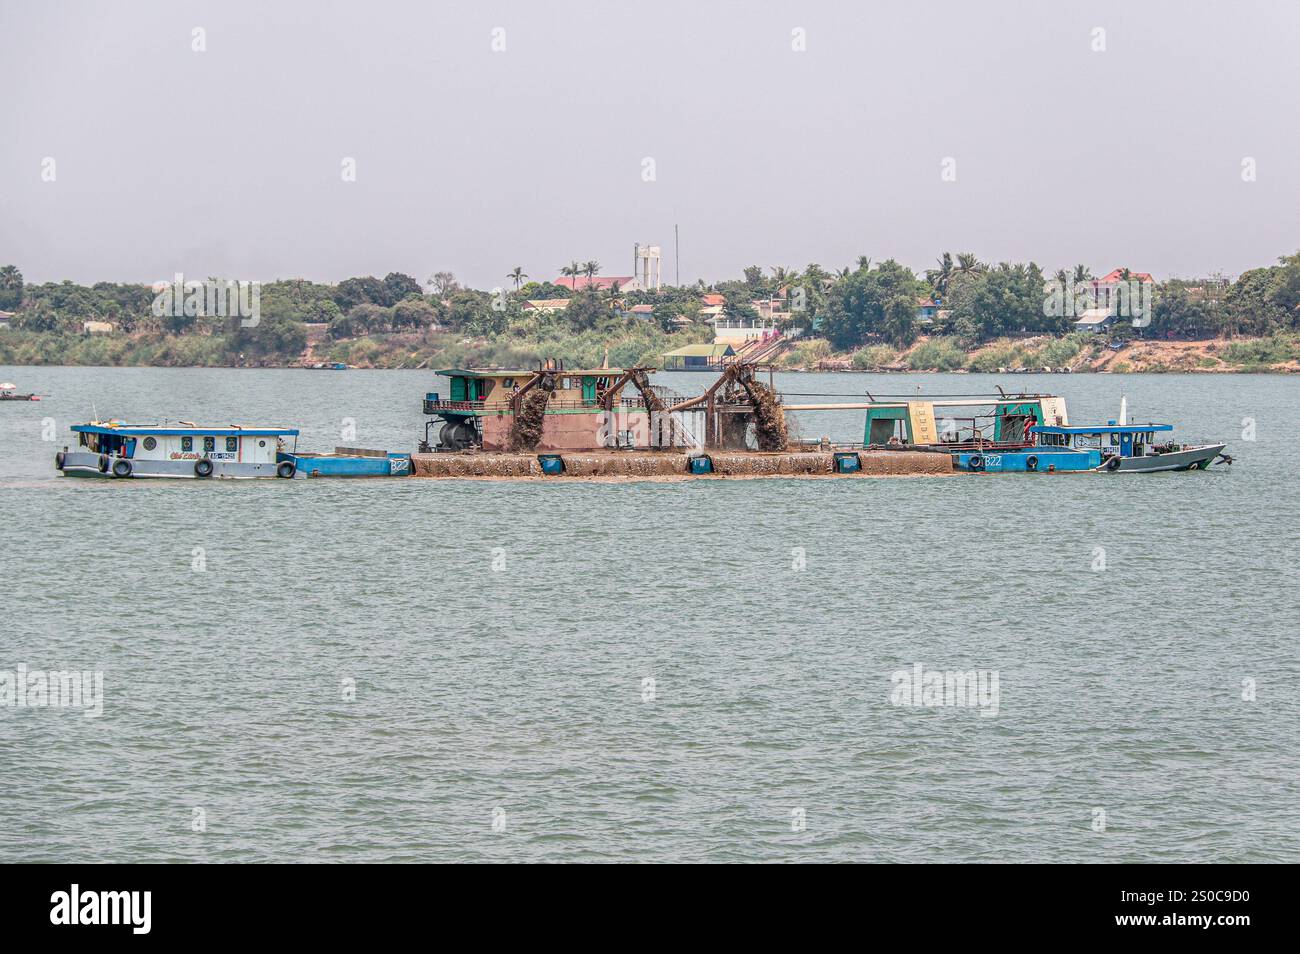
(118, 450)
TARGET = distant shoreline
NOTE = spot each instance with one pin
(1242, 355)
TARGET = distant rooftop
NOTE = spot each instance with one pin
(1117, 275)
(579, 282)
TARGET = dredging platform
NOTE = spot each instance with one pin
(594, 423)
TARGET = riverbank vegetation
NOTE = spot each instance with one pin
(963, 314)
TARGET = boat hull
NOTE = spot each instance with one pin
(1042, 460)
(345, 465)
(88, 464)
(1194, 458)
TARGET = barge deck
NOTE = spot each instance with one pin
(670, 465)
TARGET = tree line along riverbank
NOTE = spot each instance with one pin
(1272, 354)
(961, 315)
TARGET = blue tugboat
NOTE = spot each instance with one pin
(1027, 433)
(1130, 448)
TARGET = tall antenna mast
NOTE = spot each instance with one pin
(677, 256)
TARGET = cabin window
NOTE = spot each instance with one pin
(232, 444)
(261, 443)
(209, 445)
(187, 445)
(566, 383)
(150, 443)
(508, 383)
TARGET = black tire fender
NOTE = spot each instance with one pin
(286, 469)
(103, 463)
(1031, 462)
(122, 468)
(1112, 465)
(203, 468)
(59, 458)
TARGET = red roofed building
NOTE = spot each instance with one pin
(1116, 276)
(579, 282)
(1111, 295)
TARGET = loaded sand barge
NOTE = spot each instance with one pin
(612, 422)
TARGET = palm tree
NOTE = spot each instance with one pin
(572, 270)
(783, 276)
(517, 276)
(612, 295)
(1082, 273)
(941, 276)
(590, 269)
(11, 286)
(969, 264)
(864, 263)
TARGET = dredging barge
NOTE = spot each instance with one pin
(553, 421)
(612, 423)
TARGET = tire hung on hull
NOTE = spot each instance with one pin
(122, 468)
(203, 468)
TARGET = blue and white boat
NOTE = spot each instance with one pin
(120, 450)
(1130, 448)
(1126, 448)
(1059, 447)
(116, 449)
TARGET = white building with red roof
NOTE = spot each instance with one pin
(600, 282)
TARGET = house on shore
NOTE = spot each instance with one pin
(1114, 297)
(546, 306)
(698, 357)
(1096, 320)
(927, 309)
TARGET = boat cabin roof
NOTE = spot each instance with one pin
(956, 400)
(1101, 428)
(184, 429)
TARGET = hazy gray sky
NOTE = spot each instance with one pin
(229, 161)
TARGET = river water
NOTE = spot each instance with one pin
(421, 670)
